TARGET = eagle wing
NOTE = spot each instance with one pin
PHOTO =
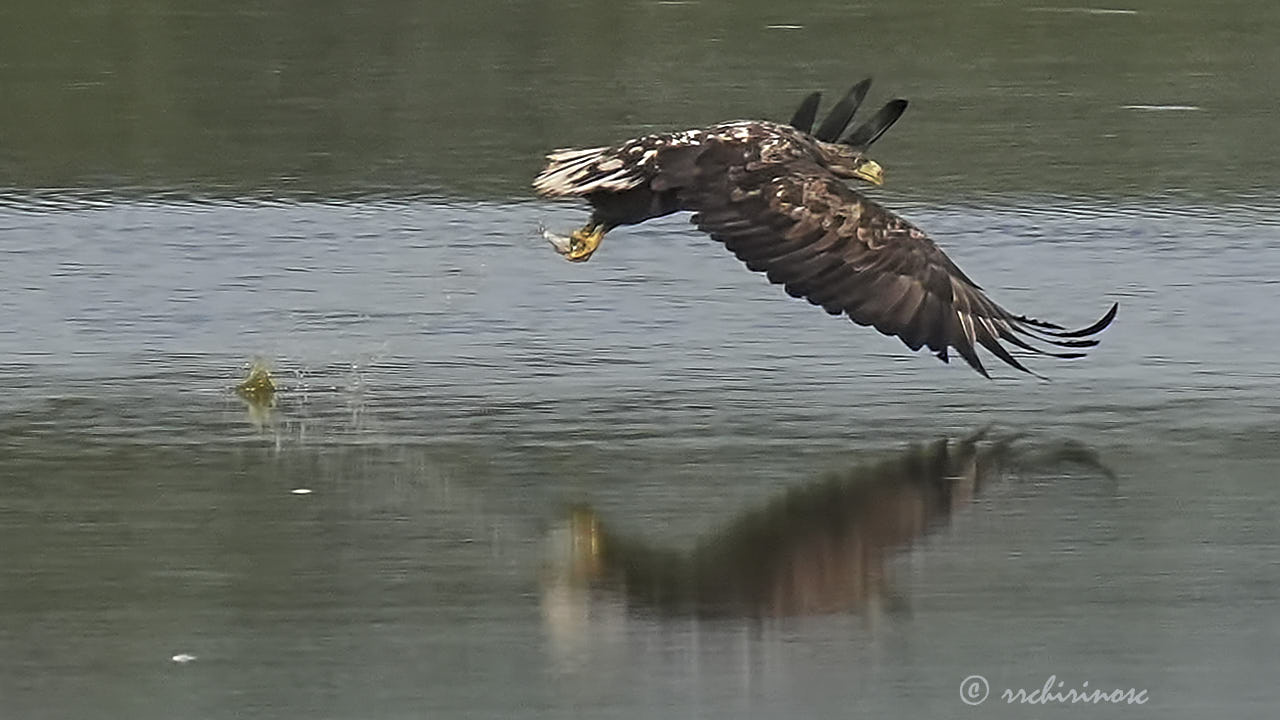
(801, 225)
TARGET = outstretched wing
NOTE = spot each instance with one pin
(822, 241)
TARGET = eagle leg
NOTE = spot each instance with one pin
(579, 245)
(584, 241)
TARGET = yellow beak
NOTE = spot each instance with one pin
(870, 171)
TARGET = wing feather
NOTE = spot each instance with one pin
(806, 113)
(842, 112)
(795, 221)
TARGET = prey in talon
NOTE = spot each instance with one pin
(578, 246)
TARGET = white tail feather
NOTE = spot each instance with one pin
(582, 171)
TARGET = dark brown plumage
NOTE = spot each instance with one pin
(776, 197)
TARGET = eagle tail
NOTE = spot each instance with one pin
(577, 172)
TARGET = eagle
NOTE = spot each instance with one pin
(776, 195)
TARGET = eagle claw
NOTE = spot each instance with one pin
(578, 246)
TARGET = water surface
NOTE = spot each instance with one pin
(650, 485)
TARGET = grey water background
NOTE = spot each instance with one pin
(341, 190)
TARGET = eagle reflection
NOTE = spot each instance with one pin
(820, 547)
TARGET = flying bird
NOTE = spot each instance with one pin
(776, 196)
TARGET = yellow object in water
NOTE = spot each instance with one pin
(258, 388)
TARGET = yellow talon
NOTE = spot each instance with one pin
(583, 242)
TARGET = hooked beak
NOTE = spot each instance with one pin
(870, 171)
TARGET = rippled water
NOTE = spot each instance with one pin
(497, 484)
(452, 389)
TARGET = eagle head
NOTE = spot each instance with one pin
(850, 162)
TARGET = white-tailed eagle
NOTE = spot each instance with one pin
(776, 196)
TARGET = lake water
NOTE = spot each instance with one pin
(496, 484)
